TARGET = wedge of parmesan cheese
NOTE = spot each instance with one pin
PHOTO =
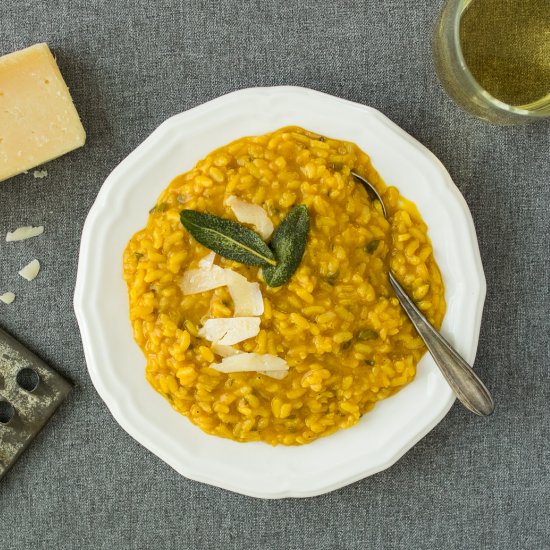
(229, 331)
(250, 362)
(253, 214)
(38, 121)
(22, 233)
(7, 297)
(30, 271)
(201, 280)
(246, 296)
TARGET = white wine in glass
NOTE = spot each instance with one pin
(493, 57)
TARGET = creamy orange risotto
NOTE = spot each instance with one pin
(335, 325)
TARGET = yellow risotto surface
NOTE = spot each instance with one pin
(337, 322)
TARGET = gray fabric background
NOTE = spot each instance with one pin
(85, 484)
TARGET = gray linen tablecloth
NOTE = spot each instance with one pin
(84, 483)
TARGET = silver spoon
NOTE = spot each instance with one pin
(469, 389)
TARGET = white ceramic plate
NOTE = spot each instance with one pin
(116, 364)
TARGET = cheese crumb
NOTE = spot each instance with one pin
(30, 271)
(7, 297)
(253, 214)
(39, 174)
(22, 233)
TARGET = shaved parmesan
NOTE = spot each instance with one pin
(250, 362)
(253, 214)
(40, 174)
(229, 331)
(7, 297)
(201, 280)
(224, 351)
(277, 374)
(246, 296)
(30, 271)
(22, 233)
(208, 261)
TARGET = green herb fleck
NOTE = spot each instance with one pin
(346, 345)
(336, 166)
(331, 277)
(159, 208)
(288, 243)
(228, 239)
(273, 209)
(367, 334)
(138, 255)
(322, 138)
(372, 246)
(370, 362)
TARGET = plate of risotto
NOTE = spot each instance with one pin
(233, 293)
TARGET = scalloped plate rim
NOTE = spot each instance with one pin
(83, 313)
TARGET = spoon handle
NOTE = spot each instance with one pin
(469, 389)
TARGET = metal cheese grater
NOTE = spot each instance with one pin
(30, 392)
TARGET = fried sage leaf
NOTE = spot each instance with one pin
(288, 243)
(227, 238)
